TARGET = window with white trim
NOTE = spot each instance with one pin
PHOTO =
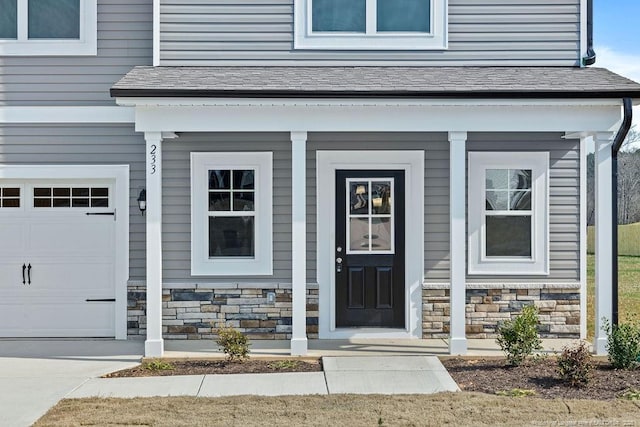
(508, 213)
(231, 214)
(371, 24)
(48, 27)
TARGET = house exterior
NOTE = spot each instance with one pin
(308, 169)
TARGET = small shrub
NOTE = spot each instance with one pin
(518, 338)
(631, 395)
(158, 365)
(574, 364)
(234, 344)
(623, 344)
(516, 392)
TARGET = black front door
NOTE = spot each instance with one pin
(369, 252)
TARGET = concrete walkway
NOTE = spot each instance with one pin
(360, 375)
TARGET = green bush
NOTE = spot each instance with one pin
(518, 338)
(623, 344)
(234, 344)
(158, 365)
(574, 364)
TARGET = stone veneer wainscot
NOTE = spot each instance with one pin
(195, 313)
(488, 305)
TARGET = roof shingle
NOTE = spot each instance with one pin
(365, 81)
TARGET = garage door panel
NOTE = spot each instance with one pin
(86, 276)
(13, 237)
(57, 318)
(83, 237)
(11, 276)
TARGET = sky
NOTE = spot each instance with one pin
(616, 39)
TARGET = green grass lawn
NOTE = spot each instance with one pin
(628, 239)
(628, 287)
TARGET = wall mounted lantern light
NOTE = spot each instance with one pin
(142, 201)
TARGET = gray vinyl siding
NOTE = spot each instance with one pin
(436, 187)
(176, 200)
(124, 41)
(486, 32)
(564, 199)
(85, 145)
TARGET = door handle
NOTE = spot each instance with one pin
(24, 267)
(338, 265)
(29, 273)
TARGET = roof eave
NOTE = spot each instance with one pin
(511, 94)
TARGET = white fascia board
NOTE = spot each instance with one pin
(382, 116)
(266, 102)
(61, 114)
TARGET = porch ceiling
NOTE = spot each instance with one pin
(379, 82)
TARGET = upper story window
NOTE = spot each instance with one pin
(371, 24)
(48, 27)
(508, 213)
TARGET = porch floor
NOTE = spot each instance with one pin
(353, 347)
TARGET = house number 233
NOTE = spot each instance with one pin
(153, 156)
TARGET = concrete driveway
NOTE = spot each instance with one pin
(36, 374)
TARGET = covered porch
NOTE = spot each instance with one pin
(207, 105)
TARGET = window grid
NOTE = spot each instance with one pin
(9, 197)
(235, 199)
(369, 216)
(510, 192)
(71, 197)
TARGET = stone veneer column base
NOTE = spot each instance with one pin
(196, 313)
(488, 305)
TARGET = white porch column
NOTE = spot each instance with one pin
(604, 224)
(298, 244)
(154, 345)
(457, 236)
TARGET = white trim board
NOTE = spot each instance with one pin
(58, 114)
(412, 162)
(119, 173)
(583, 31)
(371, 116)
(156, 33)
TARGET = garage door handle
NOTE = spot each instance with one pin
(29, 273)
(101, 213)
(24, 267)
(101, 300)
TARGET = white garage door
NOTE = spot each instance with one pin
(57, 258)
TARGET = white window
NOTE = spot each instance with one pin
(48, 27)
(508, 213)
(231, 214)
(371, 24)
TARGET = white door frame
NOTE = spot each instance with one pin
(412, 163)
(119, 173)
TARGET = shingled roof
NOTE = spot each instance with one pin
(351, 82)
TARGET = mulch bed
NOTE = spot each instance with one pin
(494, 375)
(202, 367)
